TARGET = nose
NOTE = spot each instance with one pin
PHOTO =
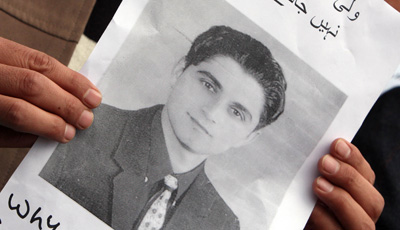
(212, 111)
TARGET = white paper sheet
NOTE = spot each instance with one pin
(337, 57)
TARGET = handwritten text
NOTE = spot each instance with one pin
(322, 25)
(24, 211)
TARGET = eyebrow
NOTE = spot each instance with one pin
(212, 78)
(241, 107)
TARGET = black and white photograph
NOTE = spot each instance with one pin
(203, 114)
(206, 119)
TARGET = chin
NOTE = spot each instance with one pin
(198, 143)
(200, 149)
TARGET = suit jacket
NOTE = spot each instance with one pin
(104, 170)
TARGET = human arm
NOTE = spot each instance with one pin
(41, 97)
(347, 198)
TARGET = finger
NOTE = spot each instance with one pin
(349, 213)
(24, 117)
(347, 152)
(13, 139)
(18, 55)
(42, 92)
(322, 218)
(347, 177)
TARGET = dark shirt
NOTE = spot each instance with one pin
(379, 141)
(159, 164)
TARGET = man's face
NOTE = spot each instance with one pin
(215, 106)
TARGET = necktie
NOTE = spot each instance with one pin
(155, 215)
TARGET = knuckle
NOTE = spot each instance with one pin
(31, 84)
(341, 200)
(40, 61)
(350, 176)
(358, 159)
(377, 208)
(372, 177)
(75, 80)
(78, 83)
(55, 129)
(15, 115)
(70, 109)
(366, 225)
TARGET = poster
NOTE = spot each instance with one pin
(335, 60)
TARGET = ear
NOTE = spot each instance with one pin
(249, 139)
(177, 71)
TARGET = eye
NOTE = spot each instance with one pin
(237, 114)
(209, 86)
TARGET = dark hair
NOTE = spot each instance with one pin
(253, 56)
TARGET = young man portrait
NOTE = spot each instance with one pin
(144, 169)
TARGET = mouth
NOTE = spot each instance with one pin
(197, 123)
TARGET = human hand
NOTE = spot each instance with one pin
(347, 198)
(39, 96)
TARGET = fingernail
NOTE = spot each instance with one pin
(85, 120)
(342, 149)
(324, 185)
(92, 98)
(69, 132)
(330, 165)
